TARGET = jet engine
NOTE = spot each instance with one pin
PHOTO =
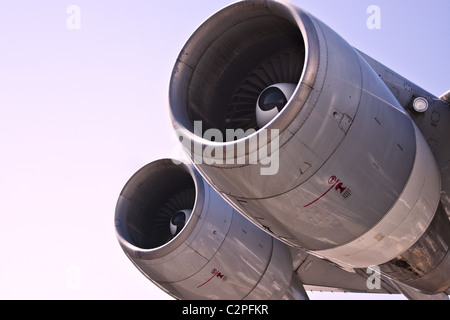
(338, 168)
(186, 239)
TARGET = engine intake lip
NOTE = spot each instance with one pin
(138, 208)
(198, 91)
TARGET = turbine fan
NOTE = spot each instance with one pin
(285, 66)
(157, 231)
(182, 201)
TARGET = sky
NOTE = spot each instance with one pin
(83, 101)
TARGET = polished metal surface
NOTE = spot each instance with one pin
(350, 172)
(218, 255)
(320, 136)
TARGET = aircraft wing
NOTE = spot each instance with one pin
(320, 275)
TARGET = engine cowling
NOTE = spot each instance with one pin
(215, 253)
(341, 171)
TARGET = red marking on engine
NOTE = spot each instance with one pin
(333, 180)
(340, 187)
(215, 273)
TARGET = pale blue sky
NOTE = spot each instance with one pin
(83, 109)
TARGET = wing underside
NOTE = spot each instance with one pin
(317, 274)
(320, 275)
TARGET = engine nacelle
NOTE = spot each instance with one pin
(215, 254)
(341, 171)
